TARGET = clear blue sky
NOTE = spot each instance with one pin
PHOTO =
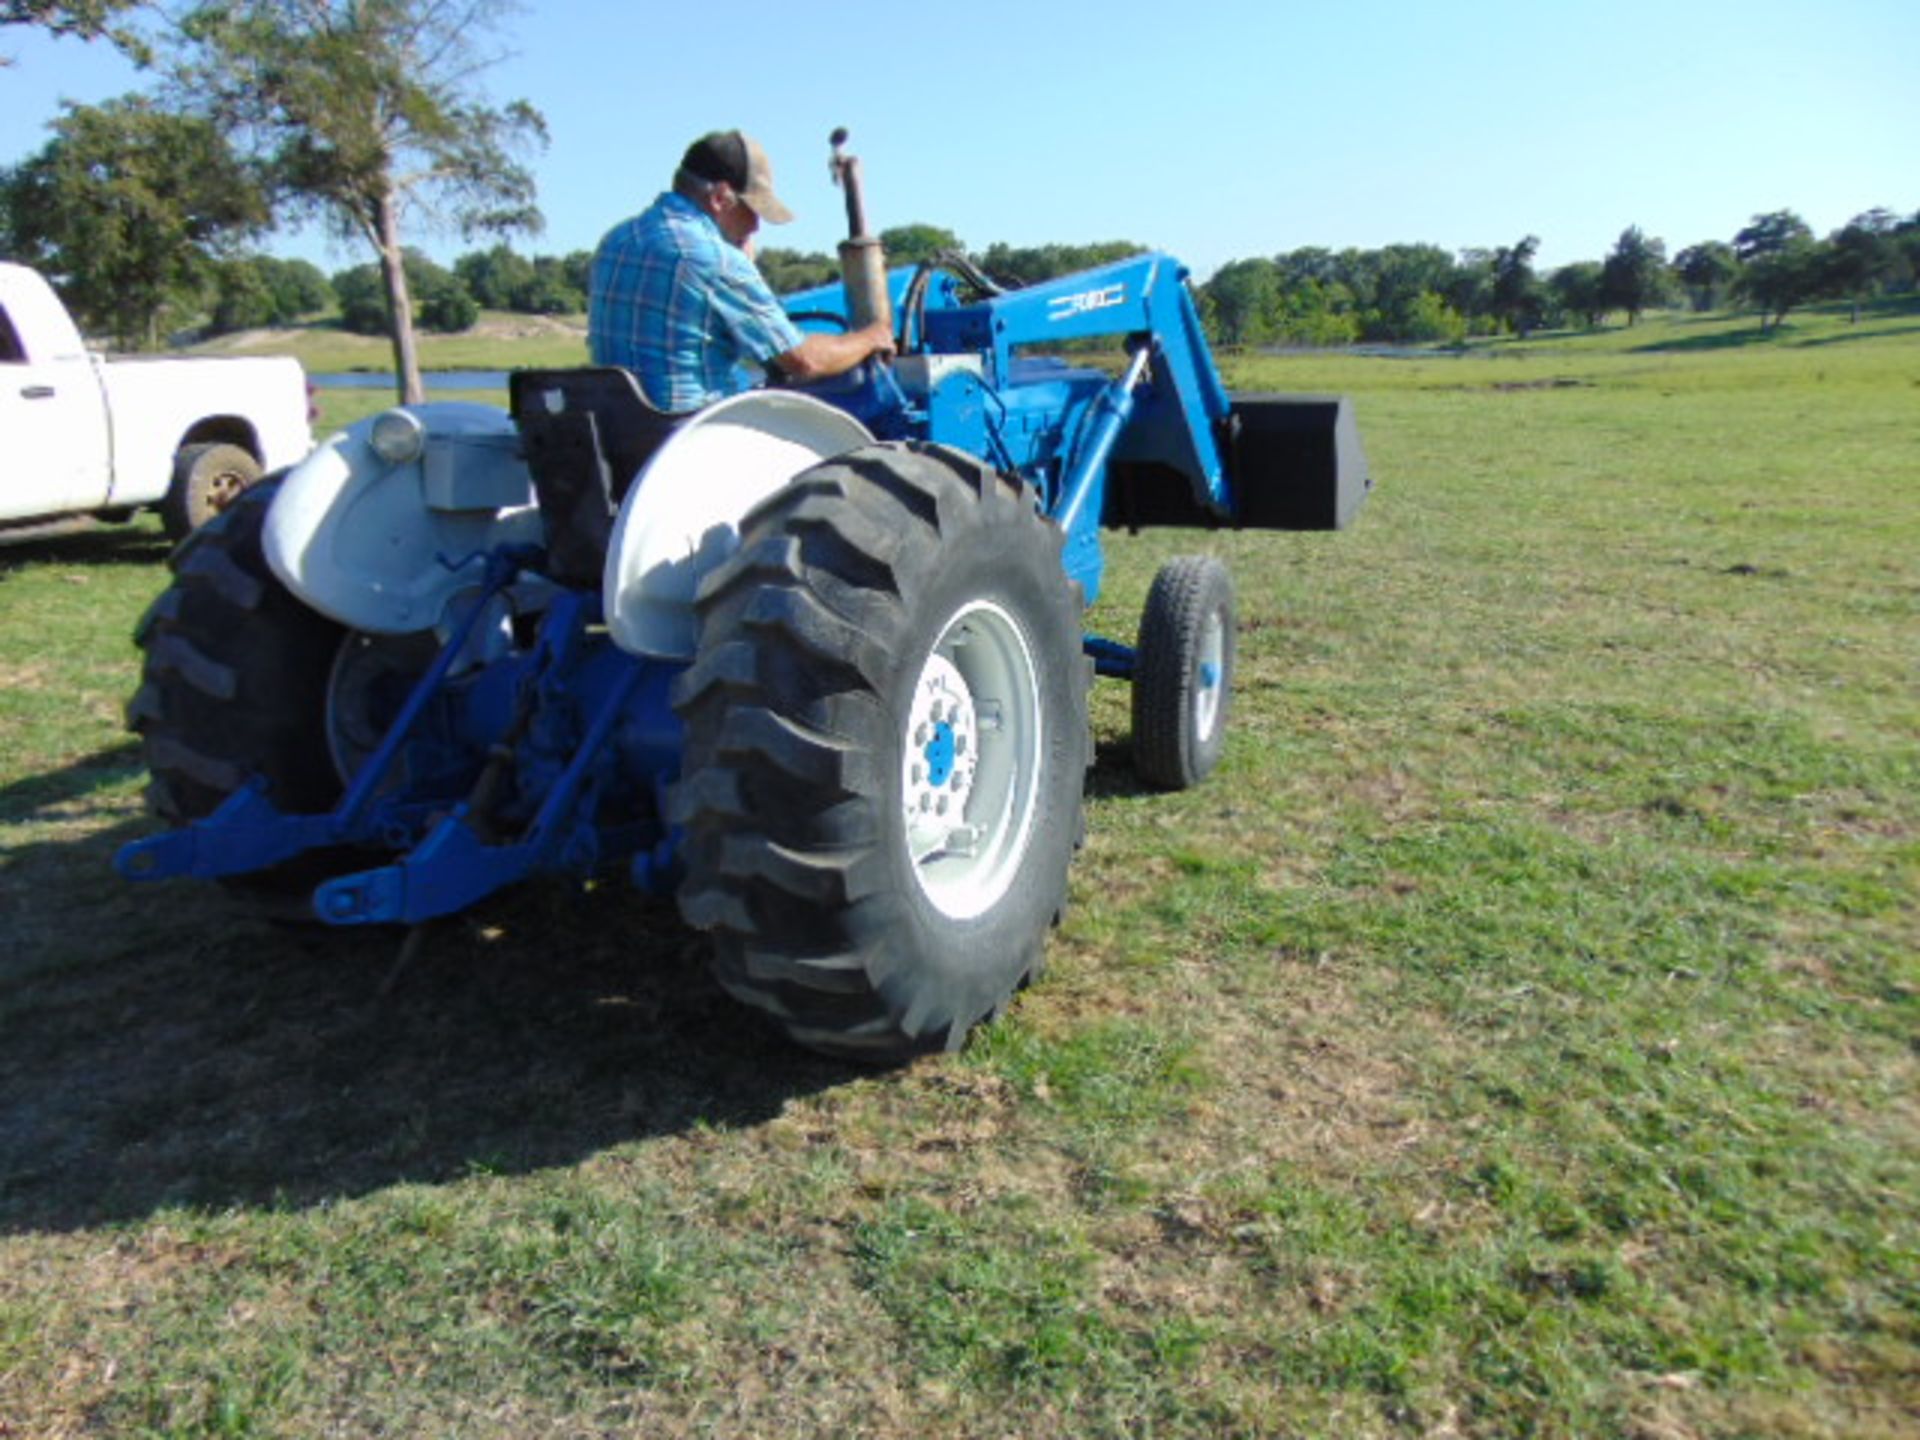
(1215, 129)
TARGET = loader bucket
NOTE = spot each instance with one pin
(1295, 462)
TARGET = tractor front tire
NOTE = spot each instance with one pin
(207, 479)
(234, 679)
(886, 747)
(1183, 673)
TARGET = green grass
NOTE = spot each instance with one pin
(1517, 1036)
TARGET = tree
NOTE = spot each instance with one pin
(444, 303)
(128, 208)
(241, 299)
(1029, 265)
(1577, 290)
(1245, 302)
(1770, 234)
(365, 110)
(256, 290)
(1906, 240)
(1633, 276)
(86, 19)
(1312, 313)
(1862, 255)
(495, 278)
(500, 279)
(1388, 285)
(551, 291)
(299, 289)
(1516, 289)
(790, 270)
(1469, 290)
(1777, 280)
(363, 300)
(1429, 319)
(910, 244)
(1707, 270)
(1310, 263)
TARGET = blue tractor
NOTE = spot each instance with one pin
(810, 660)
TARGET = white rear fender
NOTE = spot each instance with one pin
(682, 517)
(379, 546)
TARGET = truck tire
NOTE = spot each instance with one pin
(1183, 673)
(206, 480)
(234, 679)
(886, 747)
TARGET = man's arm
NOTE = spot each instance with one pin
(820, 355)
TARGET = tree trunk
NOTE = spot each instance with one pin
(406, 353)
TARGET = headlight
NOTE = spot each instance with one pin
(398, 437)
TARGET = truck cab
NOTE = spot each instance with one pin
(89, 435)
(50, 406)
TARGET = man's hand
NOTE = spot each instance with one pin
(880, 336)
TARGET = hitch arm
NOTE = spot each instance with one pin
(248, 832)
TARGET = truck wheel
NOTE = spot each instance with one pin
(234, 681)
(206, 480)
(1183, 673)
(886, 745)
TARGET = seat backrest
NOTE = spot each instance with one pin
(630, 428)
(587, 433)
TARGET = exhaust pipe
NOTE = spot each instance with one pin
(863, 266)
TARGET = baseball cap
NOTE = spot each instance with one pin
(736, 157)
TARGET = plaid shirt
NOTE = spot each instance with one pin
(682, 308)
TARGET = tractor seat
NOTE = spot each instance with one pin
(587, 434)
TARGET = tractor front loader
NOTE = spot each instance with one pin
(810, 660)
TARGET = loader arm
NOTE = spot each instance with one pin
(1178, 417)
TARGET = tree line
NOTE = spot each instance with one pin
(248, 291)
(1424, 294)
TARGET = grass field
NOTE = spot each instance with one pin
(1518, 1036)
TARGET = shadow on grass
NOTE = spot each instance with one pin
(166, 1046)
(30, 793)
(1113, 776)
(1720, 340)
(1845, 336)
(1785, 334)
(82, 542)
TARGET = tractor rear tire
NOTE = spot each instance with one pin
(207, 479)
(234, 682)
(886, 748)
(1183, 673)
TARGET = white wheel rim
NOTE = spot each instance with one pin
(970, 761)
(371, 675)
(1210, 677)
(357, 718)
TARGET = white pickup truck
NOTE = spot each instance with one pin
(85, 435)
